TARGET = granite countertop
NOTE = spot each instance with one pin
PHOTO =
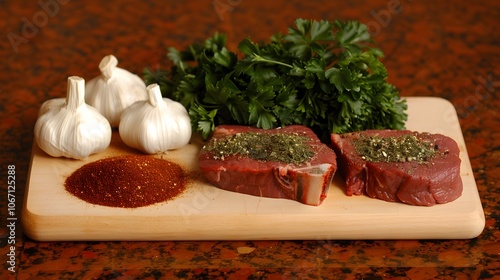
(432, 48)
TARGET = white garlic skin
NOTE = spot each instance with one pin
(51, 103)
(71, 129)
(114, 90)
(156, 125)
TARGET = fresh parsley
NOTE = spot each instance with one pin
(321, 74)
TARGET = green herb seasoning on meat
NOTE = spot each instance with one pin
(324, 75)
(281, 147)
(395, 149)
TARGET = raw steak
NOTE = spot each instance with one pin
(433, 181)
(307, 182)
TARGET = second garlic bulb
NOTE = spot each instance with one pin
(114, 90)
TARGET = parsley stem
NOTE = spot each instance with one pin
(258, 58)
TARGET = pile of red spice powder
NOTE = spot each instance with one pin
(127, 181)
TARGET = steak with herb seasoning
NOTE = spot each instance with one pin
(288, 163)
(400, 166)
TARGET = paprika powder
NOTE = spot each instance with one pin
(127, 181)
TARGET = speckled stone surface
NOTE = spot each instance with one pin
(433, 48)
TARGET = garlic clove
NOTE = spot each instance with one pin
(50, 104)
(114, 90)
(71, 128)
(156, 125)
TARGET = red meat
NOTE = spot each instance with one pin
(426, 183)
(307, 183)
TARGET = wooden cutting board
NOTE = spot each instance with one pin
(204, 212)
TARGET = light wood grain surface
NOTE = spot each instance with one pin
(204, 212)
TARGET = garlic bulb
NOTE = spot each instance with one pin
(156, 125)
(72, 128)
(114, 90)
